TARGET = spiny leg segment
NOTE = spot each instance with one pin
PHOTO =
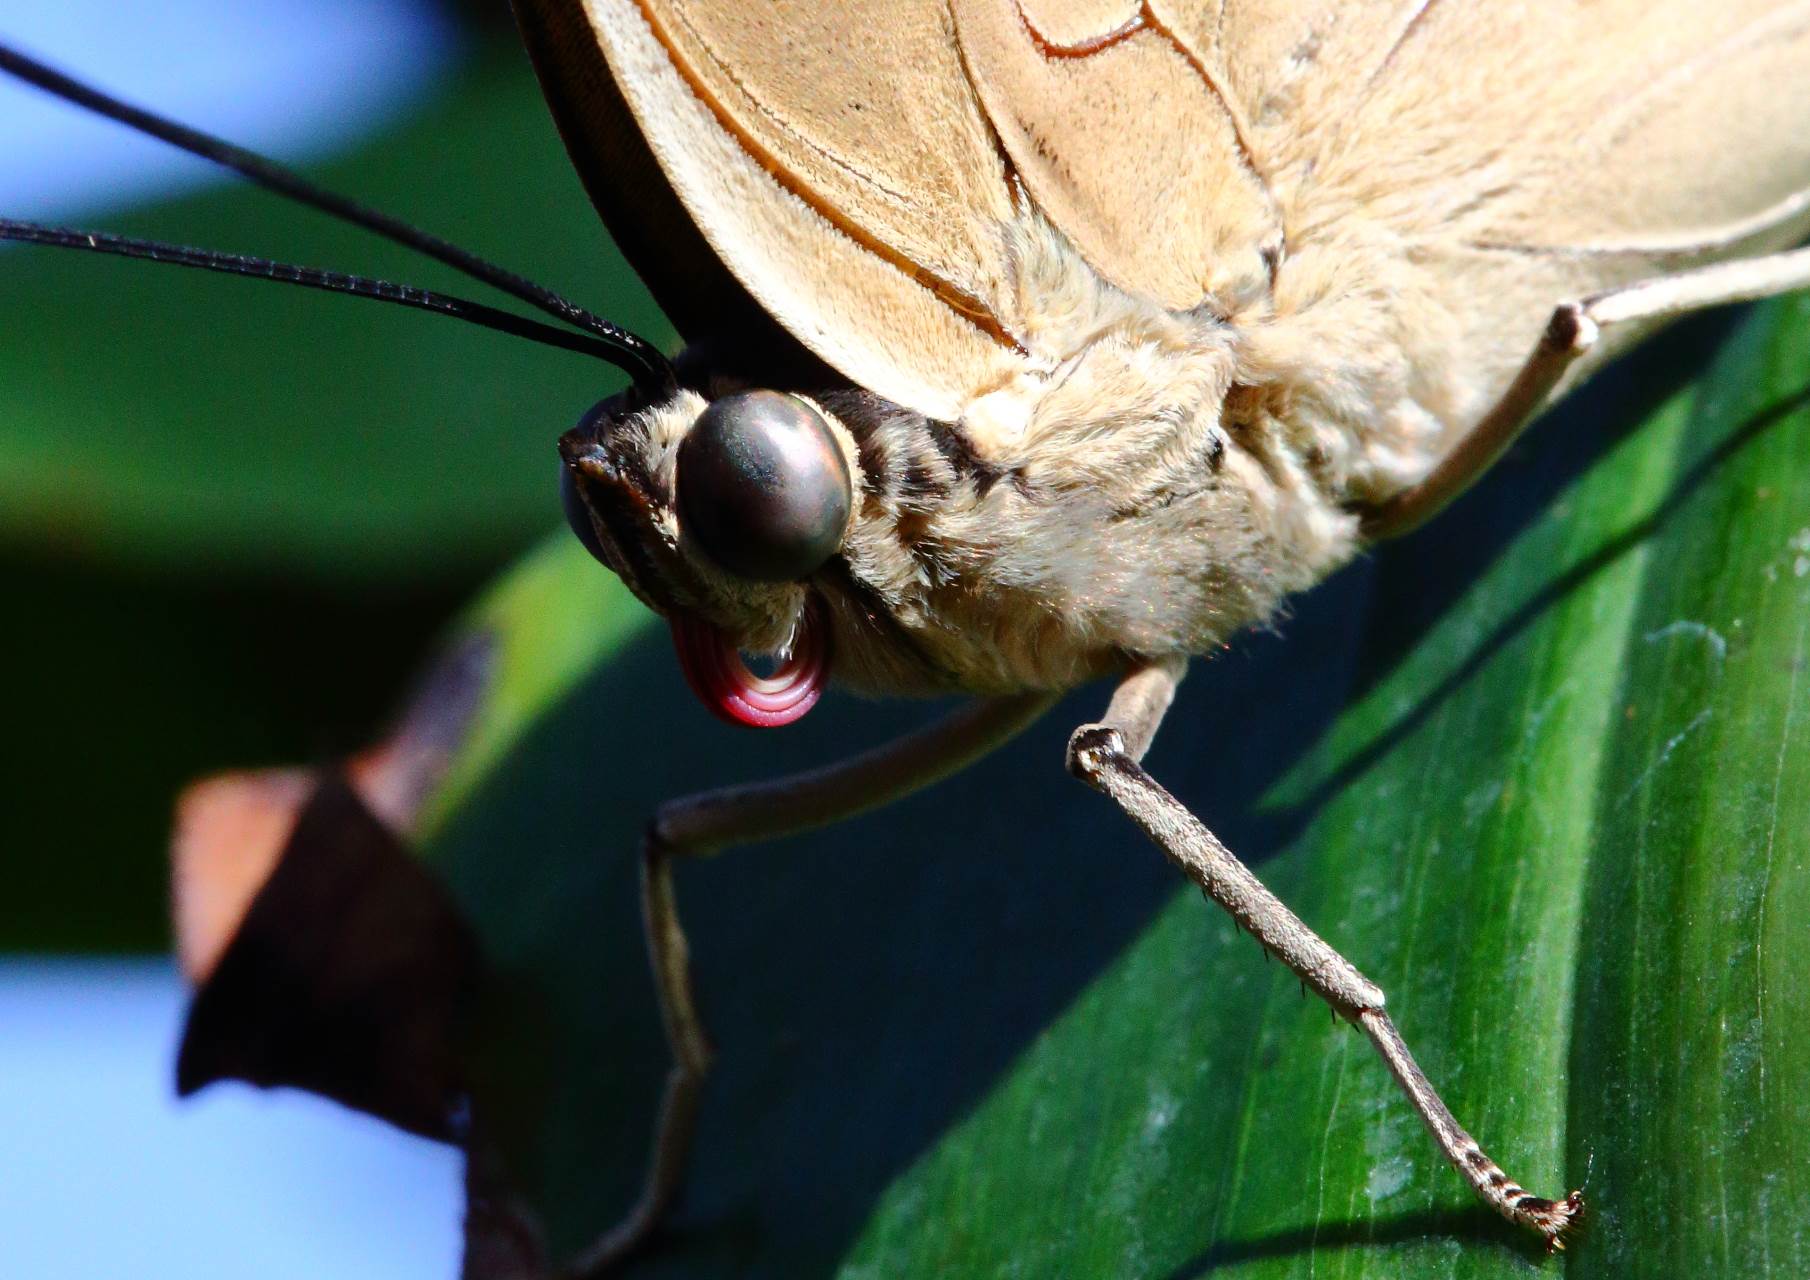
(1107, 755)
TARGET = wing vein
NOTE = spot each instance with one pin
(1234, 114)
(1421, 9)
(1147, 19)
(1615, 125)
(1728, 237)
(965, 304)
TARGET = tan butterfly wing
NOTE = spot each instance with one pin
(836, 158)
(1524, 154)
(689, 281)
(855, 165)
(1613, 124)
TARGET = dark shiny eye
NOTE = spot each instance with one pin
(763, 486)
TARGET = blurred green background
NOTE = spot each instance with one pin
(232, 515)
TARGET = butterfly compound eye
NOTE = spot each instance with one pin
(763, 486)
(578, 516)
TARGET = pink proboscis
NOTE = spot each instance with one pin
(719, 675)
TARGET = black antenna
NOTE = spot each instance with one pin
(630, 352)
(239, 264)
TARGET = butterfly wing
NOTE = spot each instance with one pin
(644, 216)
(855, 166)
(835, 157)
(1124, 131)
(1522, 154)
(1618, 125)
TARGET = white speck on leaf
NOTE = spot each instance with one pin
(1665, 752)
(1388, 1177)
(1801, 566)
(1712, 638)
(1480, 801)
(1159, 1115)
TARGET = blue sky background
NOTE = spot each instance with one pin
(103, 1173)
(297, 78)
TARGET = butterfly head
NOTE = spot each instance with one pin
(718, 514)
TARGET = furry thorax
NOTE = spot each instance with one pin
(1160, 481)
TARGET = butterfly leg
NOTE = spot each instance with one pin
(1573, 330)
(712, 821)
(1106, 756)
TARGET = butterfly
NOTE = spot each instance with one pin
(1030, 344)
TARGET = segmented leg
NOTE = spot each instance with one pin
(1106, 756)
(1573, 330)
(712, 821)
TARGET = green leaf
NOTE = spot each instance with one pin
(1537, 770)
